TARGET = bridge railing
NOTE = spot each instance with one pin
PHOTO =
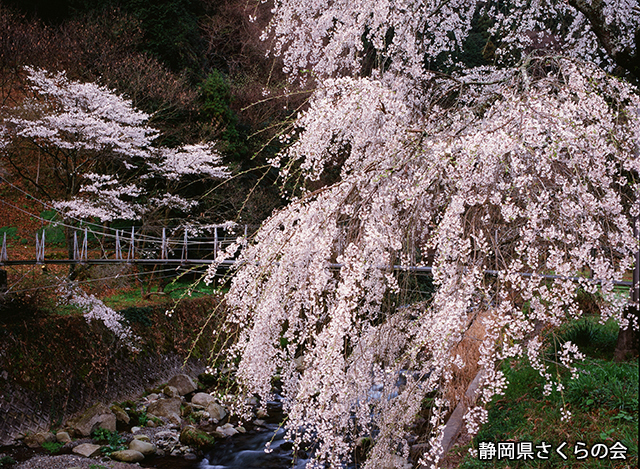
(216, 243)
(156, 250)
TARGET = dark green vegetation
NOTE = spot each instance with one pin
(111, 440)
(52, 446)
(603, 401)
(6, 461)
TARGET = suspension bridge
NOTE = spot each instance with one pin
(214, 245)
(165, 247)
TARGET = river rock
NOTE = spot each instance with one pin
(216, 411)
(96, 416)
(121, 415)
(199, 415)
(128, 455)
(167, 408)
(170, 391)
(227, 430)
(193, 437)
(144, 447)
(167, 440)
(251, 400)
(142, 438)
(187, 409)
(202, 399)
(183, 383)
(36, 440)
(63, 437)
(88, 450)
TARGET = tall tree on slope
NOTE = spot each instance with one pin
(100, 152)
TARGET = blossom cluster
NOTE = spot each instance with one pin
(93, 308)
(331, 38)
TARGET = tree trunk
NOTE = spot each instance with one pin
(627, 346)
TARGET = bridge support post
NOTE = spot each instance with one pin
(3, 252)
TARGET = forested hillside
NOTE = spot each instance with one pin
(197, 68)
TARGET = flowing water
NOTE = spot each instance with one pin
(248, 452)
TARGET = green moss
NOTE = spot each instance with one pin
(193, 437)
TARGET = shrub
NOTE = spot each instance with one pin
(113, 440)
(136, 314)
(6, 461)
(52, 446)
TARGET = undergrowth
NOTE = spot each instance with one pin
(602, 400)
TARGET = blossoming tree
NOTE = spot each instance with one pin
(527, 166)
(100, 151)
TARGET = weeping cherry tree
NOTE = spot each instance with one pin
(529, 166)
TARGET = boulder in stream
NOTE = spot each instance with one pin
(227, 430)
(202, 399)
(167, 408)
(128, 455)
(121, 415)
(35, 440)
(183, 383)
(88, 450)
(216, 411)
(144, 447)
(191, 436)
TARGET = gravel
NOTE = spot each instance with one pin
(69, 461)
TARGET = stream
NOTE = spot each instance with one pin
(247, 451)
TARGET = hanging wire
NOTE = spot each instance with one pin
(82, 282)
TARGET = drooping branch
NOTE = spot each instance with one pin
(607, 35)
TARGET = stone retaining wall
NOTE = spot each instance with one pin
(22, 410)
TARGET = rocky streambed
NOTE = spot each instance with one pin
(177, 425)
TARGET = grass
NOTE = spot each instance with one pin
(132, 297)
(603, 401)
